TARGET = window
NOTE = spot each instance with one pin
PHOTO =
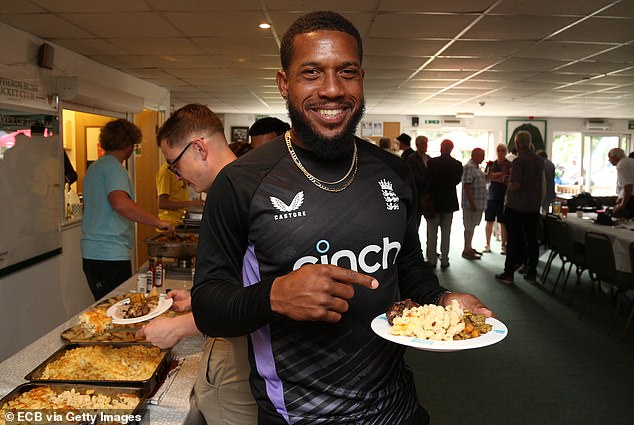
(581, 163)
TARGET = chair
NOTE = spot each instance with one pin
(602, 268)
(570, 253)
(547, 224)
(630, 293)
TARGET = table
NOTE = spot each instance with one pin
(174, 408)
(621, 235)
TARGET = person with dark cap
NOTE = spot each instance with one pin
(405, 144)
(266, 129)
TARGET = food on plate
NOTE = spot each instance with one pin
(397, 308)
(438, 323)
(105, 362)
(140, 304)
(45, 397)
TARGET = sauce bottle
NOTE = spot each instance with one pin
(150, 275)
(159, 273)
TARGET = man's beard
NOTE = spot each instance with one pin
(337, 147)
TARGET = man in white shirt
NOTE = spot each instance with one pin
(624, 206)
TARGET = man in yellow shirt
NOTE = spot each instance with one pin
(173, 196)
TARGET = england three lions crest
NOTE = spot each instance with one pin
(391, 199)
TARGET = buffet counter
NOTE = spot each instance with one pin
(175, 405)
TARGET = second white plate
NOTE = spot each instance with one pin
(117, 317)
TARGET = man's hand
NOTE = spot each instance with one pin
(468, 301)
(317, 292)
(166, 226)
(165, 332)
(182, 299)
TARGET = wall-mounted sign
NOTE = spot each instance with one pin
(630, 125)
(16, 88)
(432, 121)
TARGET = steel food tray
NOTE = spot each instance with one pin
(81, 388)
(174, 249)
(147, 386)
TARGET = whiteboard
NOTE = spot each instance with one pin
(31, 191)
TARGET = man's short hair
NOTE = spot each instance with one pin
(268, 125)
(316, 21)
(119, 134)
(616, 153)
(446, 146)
(421, 139)
(186, 122)
(385, 143)
(523, 138)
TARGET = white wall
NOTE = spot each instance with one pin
(37, 299)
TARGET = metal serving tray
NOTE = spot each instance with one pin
(147, 386)
(174, 249)
(60, 387)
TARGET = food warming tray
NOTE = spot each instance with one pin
(60, 387)
(147, 386)
(176, 249)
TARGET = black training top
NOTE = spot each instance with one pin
(264, 218)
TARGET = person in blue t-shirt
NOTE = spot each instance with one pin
(107, 232)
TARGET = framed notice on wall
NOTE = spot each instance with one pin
(377, 128)
(239, 134)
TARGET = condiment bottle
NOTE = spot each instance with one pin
(159, 274)
(141, 285)
(150, 275)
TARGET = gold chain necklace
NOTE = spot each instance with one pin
(322, 184)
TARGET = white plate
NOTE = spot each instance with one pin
(117, 317)
(382, 328)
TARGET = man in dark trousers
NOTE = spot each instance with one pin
(443, 173)
(521, 214)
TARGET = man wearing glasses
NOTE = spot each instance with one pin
(196, 149)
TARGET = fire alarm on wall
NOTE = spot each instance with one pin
(45, 56)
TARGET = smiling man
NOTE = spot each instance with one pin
(315, 237)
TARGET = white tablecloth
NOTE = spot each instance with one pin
(621, 235)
